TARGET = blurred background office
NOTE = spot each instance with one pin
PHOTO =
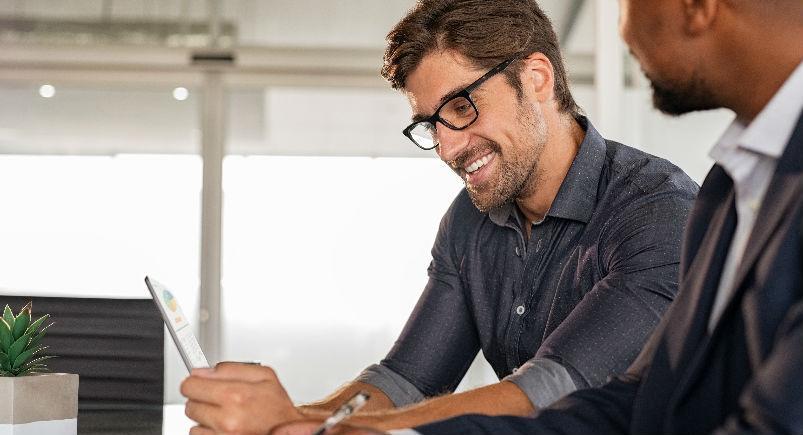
(247, 154)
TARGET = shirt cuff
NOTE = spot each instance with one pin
(543, 381)
(399, 390)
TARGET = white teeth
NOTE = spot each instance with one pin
(478, 163)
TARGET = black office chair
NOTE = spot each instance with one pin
(116, 346)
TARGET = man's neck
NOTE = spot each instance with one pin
(563, 141)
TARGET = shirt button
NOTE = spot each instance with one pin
(515, 370)
(518, 252)
(520, 310)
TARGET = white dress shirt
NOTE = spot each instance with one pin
(749, 154)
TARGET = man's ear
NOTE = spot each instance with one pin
(699, 15)
(538, 77)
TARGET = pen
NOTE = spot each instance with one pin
(343, 412)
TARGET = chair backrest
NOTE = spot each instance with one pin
(116, 346)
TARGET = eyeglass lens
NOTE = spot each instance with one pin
(458, 112)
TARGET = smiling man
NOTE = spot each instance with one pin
(556, 261)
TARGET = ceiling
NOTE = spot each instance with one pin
(305, 23)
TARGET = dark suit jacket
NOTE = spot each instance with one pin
(746, 376)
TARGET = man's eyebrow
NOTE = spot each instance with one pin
(446, 97)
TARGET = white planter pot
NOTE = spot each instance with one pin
(44, 404)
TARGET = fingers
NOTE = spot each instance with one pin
(238, 372)
(225, 420)
(203, 413)
(216, 391)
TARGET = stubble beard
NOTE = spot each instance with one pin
(675, 98)
(517, 171)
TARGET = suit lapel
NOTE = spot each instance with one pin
(700, 284)
(705, 267)
(784, 190)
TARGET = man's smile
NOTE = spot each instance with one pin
(480, 162)
(479, 170)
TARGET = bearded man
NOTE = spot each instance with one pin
(557, 260)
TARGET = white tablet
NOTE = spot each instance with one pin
(178, 325)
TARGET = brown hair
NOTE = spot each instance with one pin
(486, 32)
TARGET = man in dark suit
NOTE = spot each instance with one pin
(728, 356)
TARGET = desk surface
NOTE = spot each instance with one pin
(168, 420)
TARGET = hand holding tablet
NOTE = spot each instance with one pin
(178, 325)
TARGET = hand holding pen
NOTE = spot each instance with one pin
(348, 408)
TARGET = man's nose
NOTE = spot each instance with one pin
(450, 142)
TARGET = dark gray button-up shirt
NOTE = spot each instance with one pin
(563, 310)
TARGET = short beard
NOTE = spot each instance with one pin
(518, 169)
(678, 98)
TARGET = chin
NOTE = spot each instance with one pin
(681, 97)
(483, 201)
(487, 199)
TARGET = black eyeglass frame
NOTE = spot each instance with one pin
(465, 93)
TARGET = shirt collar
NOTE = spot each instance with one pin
(771, 130)
(577, 196)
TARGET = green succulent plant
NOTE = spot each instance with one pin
(20, 351)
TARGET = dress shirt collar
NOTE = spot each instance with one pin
(577, 196)
(771, 130)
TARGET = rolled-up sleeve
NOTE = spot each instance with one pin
(543, 381)
(399, 390)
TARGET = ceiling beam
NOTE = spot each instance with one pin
(246, 66)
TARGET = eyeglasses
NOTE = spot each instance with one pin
(456, 113)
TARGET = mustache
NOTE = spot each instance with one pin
(473, 153)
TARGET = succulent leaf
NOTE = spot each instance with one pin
(5, 335)
(21, 323)
(36, 361)
(35, 325)
(25, 356)
(8, 316)
(36, 367)
(3, 358)
(38, 337)
(18, 347)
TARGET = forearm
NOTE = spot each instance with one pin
(321, 409)
(503, 398)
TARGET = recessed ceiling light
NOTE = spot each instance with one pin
(47, 91)
(181, 93)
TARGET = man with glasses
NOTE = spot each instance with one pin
(557, 260)
(728, 356)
